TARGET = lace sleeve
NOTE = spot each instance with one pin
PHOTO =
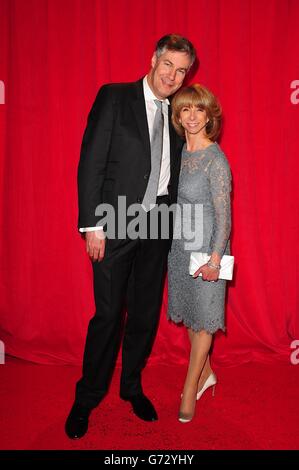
(220, 181)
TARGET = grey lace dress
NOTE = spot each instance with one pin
(205, 179)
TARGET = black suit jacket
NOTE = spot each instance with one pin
(115, 154)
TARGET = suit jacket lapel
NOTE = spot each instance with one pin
(139, 110)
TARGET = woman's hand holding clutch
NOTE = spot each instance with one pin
(209, 273)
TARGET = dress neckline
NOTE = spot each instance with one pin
(199, 150)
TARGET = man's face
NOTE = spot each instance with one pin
(168, 72)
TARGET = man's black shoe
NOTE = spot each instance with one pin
(77, 422)
(142, 407)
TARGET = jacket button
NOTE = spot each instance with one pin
(145, 177)
(139, 200)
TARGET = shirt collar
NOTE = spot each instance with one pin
(148, 94)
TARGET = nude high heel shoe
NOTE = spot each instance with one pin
(185, 418)
(210, 382)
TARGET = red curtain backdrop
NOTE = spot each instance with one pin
(54, 55)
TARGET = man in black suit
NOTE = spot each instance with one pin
(117, 159)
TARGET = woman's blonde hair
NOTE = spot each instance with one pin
(199, 96)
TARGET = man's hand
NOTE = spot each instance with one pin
(95, 244)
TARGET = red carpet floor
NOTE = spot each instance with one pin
(255, 406)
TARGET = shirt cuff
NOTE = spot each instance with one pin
(90, 229)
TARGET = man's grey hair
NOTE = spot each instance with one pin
(175, 42)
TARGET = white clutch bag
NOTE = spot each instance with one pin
(198, 259)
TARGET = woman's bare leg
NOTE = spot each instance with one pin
(200, 346)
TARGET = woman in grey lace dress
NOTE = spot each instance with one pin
(202, 223)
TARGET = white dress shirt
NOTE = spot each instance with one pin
(151, 109)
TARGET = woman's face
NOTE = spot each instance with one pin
(193, 119)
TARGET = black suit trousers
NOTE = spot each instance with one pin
(132, 271)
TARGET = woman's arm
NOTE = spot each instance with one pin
(220, 187)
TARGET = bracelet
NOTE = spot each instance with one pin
(214, 266)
